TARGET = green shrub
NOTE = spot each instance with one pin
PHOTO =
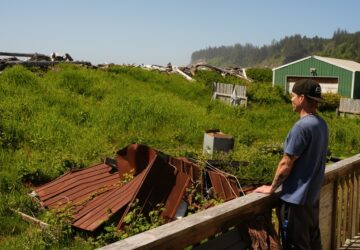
(208, 77)
(266, 94)
(331, 102)
(260, 74)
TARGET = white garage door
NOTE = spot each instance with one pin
(328, 84)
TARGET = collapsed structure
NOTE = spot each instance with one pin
(138, 174)
(36, 60)
(8, 59)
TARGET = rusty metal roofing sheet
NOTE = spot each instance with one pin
(135, 157)
(76, 186)
(97, 194)
(176, 194)
(157, 184)
(223, 186)
(186, 166)
(102, 207)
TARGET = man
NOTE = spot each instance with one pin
(301, 170)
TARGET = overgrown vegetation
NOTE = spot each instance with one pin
(260, 74)
(70, 117)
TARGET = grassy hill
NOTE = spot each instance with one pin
(69, 117)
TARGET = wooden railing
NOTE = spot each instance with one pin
(339, 214)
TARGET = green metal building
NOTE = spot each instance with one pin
(334, 75)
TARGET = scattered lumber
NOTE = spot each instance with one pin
(31, 219)
(237, 72)
(44, 61)
(36, 60)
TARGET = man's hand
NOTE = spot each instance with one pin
(265, 189)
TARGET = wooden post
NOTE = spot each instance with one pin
(357, 208)
(351, 207)
(335, 215)
(345, 209)
(326, 216)
(340, 214)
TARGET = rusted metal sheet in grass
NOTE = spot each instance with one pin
(102, 207)
(135, 157)
(104, 193)
(158, 182)
(223, 186)
(182, 181)
(76, 186)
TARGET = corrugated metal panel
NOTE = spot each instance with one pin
(96, 194)
(178, 190)
(76, 186)
(224, 188)
(158, 182)
(102, 207)
(135, 157)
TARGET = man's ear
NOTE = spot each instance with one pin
(302, 99)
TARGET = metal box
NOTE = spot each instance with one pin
(215, 141)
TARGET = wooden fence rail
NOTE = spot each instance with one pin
(339, 214)
(230, 93)
(349, 106)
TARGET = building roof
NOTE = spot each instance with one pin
(345, 64)
(100, 193)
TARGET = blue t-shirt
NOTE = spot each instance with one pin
(308, 139)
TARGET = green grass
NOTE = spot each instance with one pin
(70, 117)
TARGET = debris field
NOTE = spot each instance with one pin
(138, 174)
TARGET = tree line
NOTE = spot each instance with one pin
(342, 45)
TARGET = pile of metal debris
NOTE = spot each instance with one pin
(36, 60)
(104, 192)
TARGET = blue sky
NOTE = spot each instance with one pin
(159, 31)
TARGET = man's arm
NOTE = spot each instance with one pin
(282, 172)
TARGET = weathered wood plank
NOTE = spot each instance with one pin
(341, 168)
(357, 179)
(199, 226)
(348, 105)
(229, 93)
(339, 212)
(355, 205)
(189, 78)
(326, 208)
(350, 200)
(345, 209)
(31, 219)
(335, 215)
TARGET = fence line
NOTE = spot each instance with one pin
(349, 106)
(230, 93)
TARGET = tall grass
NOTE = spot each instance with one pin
(70, 117)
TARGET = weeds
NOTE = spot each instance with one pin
(69, 117)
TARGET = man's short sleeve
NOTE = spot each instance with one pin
(295, 142)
